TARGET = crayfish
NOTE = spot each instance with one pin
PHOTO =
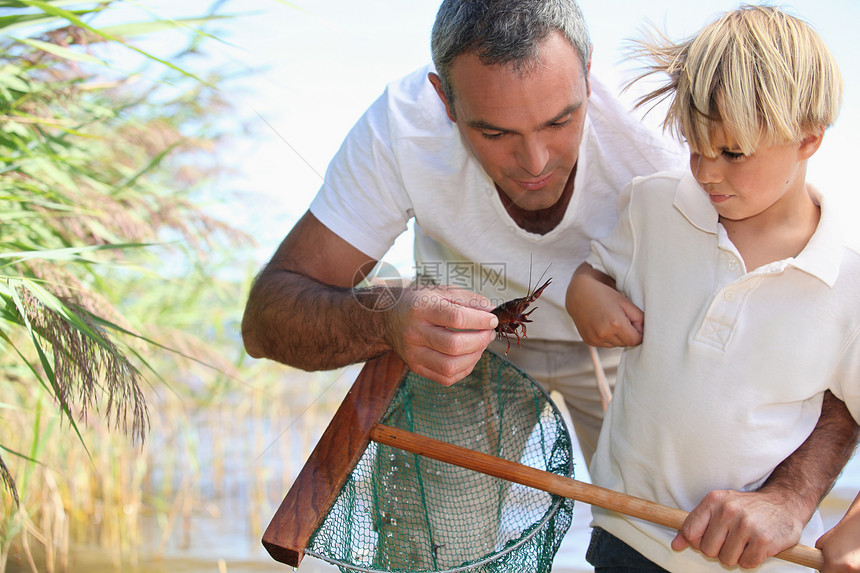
(512, 315)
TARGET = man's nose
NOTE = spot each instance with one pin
(533, 155)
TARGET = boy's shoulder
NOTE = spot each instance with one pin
(849, 244)
(662, 183)
(852, 252)
(650, 196)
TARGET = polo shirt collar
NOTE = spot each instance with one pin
(820, 258)
(693, 203)
(823, 253)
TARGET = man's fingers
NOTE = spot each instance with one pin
(738, 528)
(458, 313)
(695, 526)
(679, 543)
(450, 342)
(441, 368)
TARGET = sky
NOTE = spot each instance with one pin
(313, 66)
(322, 62)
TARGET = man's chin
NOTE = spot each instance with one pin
(533, 202)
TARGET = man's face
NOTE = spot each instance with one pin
(524, 129)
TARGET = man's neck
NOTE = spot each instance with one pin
(541, 221)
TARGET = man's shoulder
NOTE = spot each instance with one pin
(412, 106)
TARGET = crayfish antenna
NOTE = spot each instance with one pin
(543, 274)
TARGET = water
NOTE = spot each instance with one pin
(221, 533)
(220, 542)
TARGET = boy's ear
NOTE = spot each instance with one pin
(810, 143)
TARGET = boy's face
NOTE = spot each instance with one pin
(769, 182)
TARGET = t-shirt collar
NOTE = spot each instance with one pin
(820, 258)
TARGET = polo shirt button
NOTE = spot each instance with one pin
(733, 264)
(729, 296)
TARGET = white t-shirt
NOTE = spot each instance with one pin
(729, 378)
(404, 158)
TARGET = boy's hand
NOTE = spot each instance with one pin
(840, 545)
(740, 528)
(603, 316)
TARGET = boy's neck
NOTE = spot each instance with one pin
(761, 240)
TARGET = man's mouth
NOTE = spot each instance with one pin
(534, 184)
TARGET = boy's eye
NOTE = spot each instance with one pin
(732, 155)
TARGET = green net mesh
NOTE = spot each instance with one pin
(403, 512)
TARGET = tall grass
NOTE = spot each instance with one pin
(114, 310)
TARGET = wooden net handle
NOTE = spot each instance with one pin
(558, 485)
(333, 459)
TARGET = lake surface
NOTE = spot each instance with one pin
(220, 527)
(221, 543)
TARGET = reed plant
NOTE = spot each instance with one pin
(119, 296)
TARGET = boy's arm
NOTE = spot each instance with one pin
(841, 545)
(744, 528)
(603, 316)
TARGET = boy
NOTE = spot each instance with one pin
(749, 287)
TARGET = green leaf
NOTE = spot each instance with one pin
(8, 23)
(143, 28)
(10, 79)
(20, 455)
(69, 254)
(62, 52)
(22, 4)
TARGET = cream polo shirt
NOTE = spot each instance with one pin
(728, 380)
(405, 159)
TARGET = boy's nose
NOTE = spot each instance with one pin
(704, 169)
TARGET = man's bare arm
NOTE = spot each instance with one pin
(303, 310)
(808, 474)
(744, 528)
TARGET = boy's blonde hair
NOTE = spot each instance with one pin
(764, 76)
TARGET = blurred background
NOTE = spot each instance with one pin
(156, 152)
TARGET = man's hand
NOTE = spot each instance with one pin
(741, 528)
(745, 528)
(440, 332)
(841, 545)
(603, 316)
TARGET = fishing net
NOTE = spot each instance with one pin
(403, 512)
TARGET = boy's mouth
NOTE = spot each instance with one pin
(716, 198)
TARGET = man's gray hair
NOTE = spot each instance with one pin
(503, 32)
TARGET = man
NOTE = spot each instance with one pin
(509, 156)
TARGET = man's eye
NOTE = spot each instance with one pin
(492, 134)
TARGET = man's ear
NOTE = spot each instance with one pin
(810, 143)
(437, 85)
(588, 71)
